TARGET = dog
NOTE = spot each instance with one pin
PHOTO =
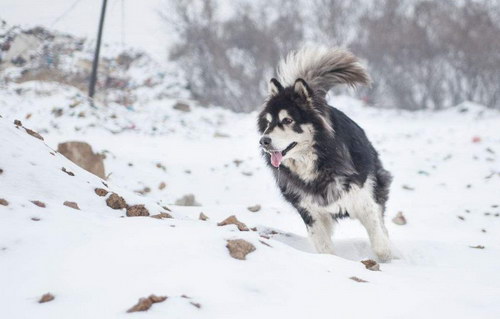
(323, 163)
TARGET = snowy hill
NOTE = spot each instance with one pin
(97, 264)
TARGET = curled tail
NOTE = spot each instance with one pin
(322, 68)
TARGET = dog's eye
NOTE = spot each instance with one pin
(286, 120)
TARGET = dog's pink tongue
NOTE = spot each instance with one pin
(276, 158)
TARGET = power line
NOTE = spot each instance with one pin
(65, 13)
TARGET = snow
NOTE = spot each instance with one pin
(98, 263)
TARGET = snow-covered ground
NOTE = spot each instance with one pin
(98, 263)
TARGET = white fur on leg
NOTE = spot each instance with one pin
(374, 225)
(320, 234)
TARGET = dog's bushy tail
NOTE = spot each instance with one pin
(322, 68)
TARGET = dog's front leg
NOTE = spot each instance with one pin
(320, 230)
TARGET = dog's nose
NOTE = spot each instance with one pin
(265, 141)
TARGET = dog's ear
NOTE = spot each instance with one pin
(275, 87)
(302, 89)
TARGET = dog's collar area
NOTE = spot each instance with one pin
(286, 150)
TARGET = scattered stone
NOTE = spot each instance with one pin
(477, 247)
(34, 134)
(166, 208)
(46, 298)
(483, 230)
(18, 123)
(264, 243)
(247, 173)
(221, 135)
(161, 166)
(137, 210)
(371, 265)
(265, 236)
(71, 204)
(35, 219)
(82, 155)
(408, 188)
(232, 220)
(461, 217)
(183, 107)
(39, 203)
(145, 303)
(162, 216)
(254, 208)
(144, 191)
(203, 217)
(162, 186)
(1, 171)
(239, 248)
(115, 201)
(101, 192)
(357, 279)
(399, 219)
(187, 200)
(103, 183)
(4, 202)
(237, 162)
(253, 229)
(197, 305)
(68, 172)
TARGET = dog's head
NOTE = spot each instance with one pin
(289, 121)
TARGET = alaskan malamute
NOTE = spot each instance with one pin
(322, 160)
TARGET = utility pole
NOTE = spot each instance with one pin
(93, 76)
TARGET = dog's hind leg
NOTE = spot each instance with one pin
(320, 230)
(371, 218)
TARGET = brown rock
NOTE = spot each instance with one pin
(68, 172)
(115, 201)
(183, 107)
(399, 219)
(162, 186)
(477, 247)
(357, 279)
(4, 202)
(162, 216)
(137, 210)
(254, 208)
(71, 204)
(34, 134)
(203, 217)
(82, 155)
(18, 123)
(46, 298)
(145, 303)
(371, 265)
(39, 203)
(239, 248)
(232, 220)
(187, 200)
(101, 192)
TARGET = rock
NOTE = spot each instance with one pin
(371, 265)
(187, 200)
(46, 298)
(196, 304)
(115, 201)
(82, 155)
(162, 216)
(71, 204)
(101, 192)
(35, 219)
(221, 135)
(399, 219)
(254, 208)
(18, 123)
(1, 171)
(4, 202)
(137, 210)
(33, 133)
(162, 186)
(239, 248)
(408, 188)
(39, 203)
(68, 172)
(203, 217)
(183, 107)
(477, 247)
(232, 220)
(357, 279)
(145, 303)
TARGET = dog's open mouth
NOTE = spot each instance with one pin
(277, 156)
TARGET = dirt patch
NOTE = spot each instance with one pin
(71, 204)
(46, 298)
(203, 217)
(39, 203)
(162, 216)
(400, 219)
(239, 248)
(137, 210)
(4, 202)
(371, 265)
(145, 303)
(101, 192)
(254, 208)
(232, 220)
(33, 133)
(357, 279)
(115, 201)
(67, 172)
